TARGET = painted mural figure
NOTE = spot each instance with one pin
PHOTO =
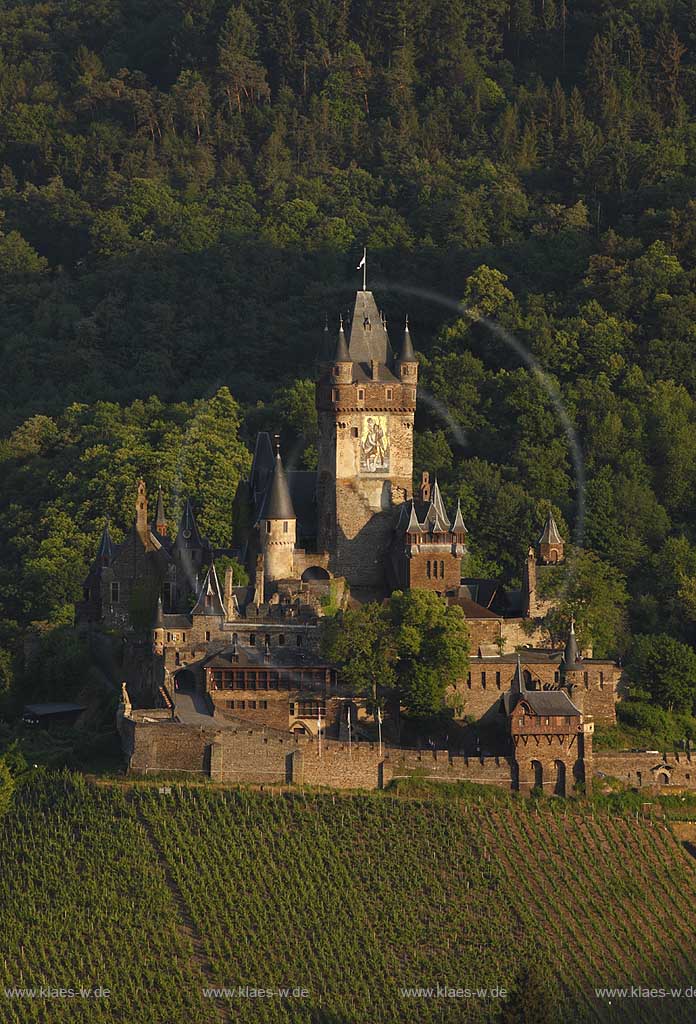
(374, 450)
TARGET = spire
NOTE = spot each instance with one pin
(570, 655)
(517, 685)
(160, 517)
(407, 354)
(551, 533)
(278, 504)
(159, 614)
(210, 596)
(413, 525)
(368, 340)
(437, 518)
(141, 522)
(105, 551)
(188, 533)
(341, 354)
(458, 524)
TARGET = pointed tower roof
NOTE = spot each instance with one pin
(368, 333)
(571, 655)
(413, 525)
(278, 504)
(188, 533)
(210, 600)
(407, 354)
(458, 524)
(105, 551)
(517, 685)
(437, 518)
(341, 355)
(159, 614)
(550, 534)
(160, 517)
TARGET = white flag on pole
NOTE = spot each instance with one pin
(361, 263)
(379, 715)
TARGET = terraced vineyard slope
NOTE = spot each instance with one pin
(334, 906)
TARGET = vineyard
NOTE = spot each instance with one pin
(348, 901)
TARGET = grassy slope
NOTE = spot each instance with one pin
(352, 898)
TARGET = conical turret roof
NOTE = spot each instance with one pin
(188, 528)
(105, 551)
(550, 534)
(407, 354)
(458, 524)
(342, 355)
(159, 614)
(571, 655)
(278, 504)
(210, 600)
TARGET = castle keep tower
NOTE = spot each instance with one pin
(366, 400)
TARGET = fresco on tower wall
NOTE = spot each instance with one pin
(374, 445)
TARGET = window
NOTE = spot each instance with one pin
(267, 639)
(390, 394)
(268, 526)
(334, 394)
(483, 680)
(252, 705)
(263, 680)
(427, 568)
(601, 680)
(169, 638)
(285, 527)
(361, 395)
(556, 677)
(292, 707)
(354, 432)
(468, 679)
(435, 569)
(299, 640)
(230, 704)
(251, 681)
(183, 638)
(252, 639)
(241, 704)
(273, 681)
(497, 679)
(207, 635)
(586, 679)
(177, 659)
(281, 640)
(263, 705)
(115, 592)
(442, 570)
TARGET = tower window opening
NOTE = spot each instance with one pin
(361, 395)
(285, 527)
(427, 568)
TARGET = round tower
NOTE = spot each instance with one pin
(278, 525)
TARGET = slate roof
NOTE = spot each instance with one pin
(189, 534)
(288, 656)
(368, 336)
(278, 503)
(341, 355)
(550, 534)
(550, 702)
(210, 596)
(407, 354)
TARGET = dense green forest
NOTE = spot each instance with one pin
(186, 185)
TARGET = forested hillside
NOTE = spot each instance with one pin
(185, 188)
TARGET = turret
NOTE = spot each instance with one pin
(278, 524)
(158, 629)
(141, 524)
(342, 368)
(105, 551)
(160, 517)
(551, 544)
(571, 655)
(407, 362)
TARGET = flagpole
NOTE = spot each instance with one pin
(319, 727)
(379, 728)
(365, 269)
(350, 747)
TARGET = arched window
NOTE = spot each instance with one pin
(442, 570)
(435, 569)
(427, 568)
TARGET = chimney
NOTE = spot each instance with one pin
(374, 369)
(425, 486)
(229, 597)
(258, 582)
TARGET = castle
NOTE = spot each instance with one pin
(248, 656)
